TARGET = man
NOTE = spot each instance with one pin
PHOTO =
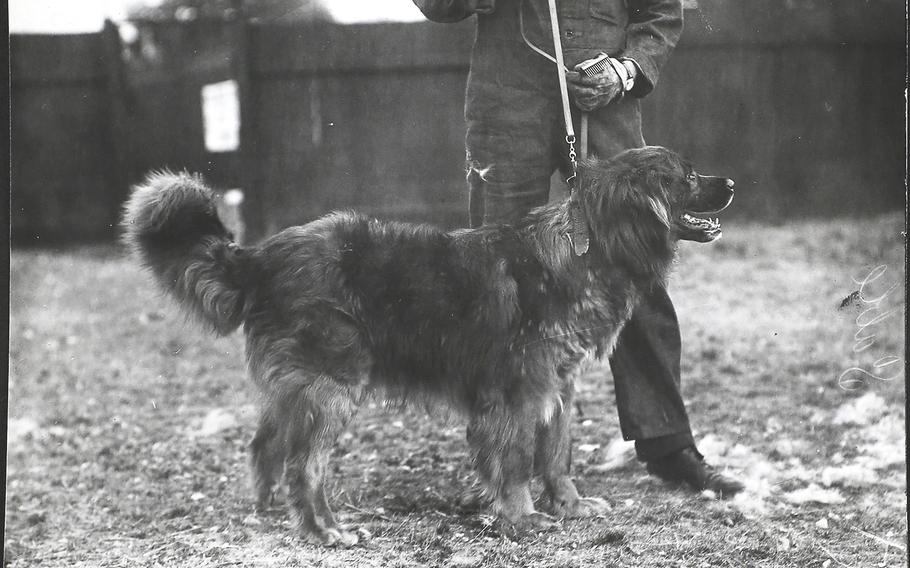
(516, 140)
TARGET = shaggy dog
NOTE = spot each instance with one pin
(492, 321)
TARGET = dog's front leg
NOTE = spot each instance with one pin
(503, 445)
(553, 459)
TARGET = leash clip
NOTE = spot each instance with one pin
(578, 237)
(573, 157)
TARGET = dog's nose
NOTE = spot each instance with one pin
(730, 184)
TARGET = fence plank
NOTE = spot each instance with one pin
(328, 48)
(795, 22)
(254, 206)
(60, 145)
(65, 59)
(117, 118)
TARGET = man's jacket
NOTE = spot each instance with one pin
(645, 31)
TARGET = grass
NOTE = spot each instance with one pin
(128, 428)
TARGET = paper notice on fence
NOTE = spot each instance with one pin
(221, 116)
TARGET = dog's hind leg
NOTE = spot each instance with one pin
(552, 462)
(502, 442)
(319, 413)
(267, 451)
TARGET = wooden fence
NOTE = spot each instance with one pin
(63, 171)
(801, 102)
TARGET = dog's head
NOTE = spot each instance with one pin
(643, 200)
(687, 192)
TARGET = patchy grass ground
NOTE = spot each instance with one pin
(128, 427)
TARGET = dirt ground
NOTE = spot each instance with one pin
(128, 427)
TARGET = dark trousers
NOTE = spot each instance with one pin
(646, 374)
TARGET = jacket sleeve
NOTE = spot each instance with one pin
(444, 11)
(654, 28)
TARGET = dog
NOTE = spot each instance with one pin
(492, 321)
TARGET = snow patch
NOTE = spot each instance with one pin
(885, 442)
(787, 447)
(849, 475)
(814, 494)
(19, 428)
(863, 410)
(754, 470)
(217, 420)
(618, 454)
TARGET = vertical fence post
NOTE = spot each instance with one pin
(115, 76)
(253, 204)
(7, 169)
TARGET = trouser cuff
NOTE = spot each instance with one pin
(650, 449)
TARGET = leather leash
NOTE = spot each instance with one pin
(578, 238)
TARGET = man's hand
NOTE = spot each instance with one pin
(591, 93)
(481, 6)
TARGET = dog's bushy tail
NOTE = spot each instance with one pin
(171, 224)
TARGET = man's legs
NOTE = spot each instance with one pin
(504, 201)
(513, 117)
(651, 411)
(646, 361)
(646, 373)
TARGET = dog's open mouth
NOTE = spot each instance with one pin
(692, 228)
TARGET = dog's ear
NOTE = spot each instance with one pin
(660, 210)
(610, 199)
(631, 224)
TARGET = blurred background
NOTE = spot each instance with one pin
(312, 105)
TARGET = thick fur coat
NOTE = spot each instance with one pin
(492, 321)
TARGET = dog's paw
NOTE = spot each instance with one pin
(532, 522)
(363, 534)
(268, 498)
(581, 508)
(262, 506)
(340, 537)
(537, 521)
